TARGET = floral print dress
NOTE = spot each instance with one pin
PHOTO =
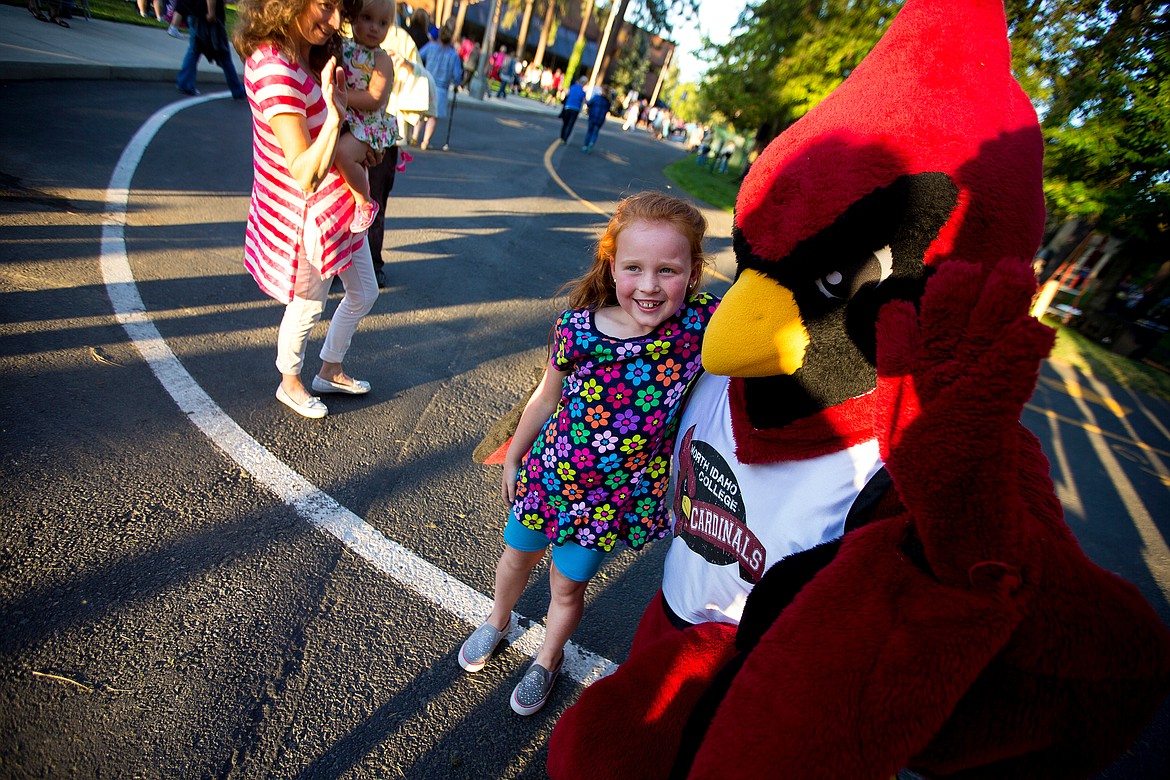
(599, 469)
(377, 129)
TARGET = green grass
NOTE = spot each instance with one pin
(1094, 359)
(117, 11)
(718, 189)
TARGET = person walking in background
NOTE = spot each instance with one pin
(178, 19)
(297, 237)
(589, 462)
(704, 147)
(471, 64)
(58, 11)
(631, 117)
(144, 6)
(442, 62)
(420, 23)
(546, 84)
(208, 37)
(555, 88)
(506, 73)
(725, 156)
(369, 76)
(599, 106)
(574, 100)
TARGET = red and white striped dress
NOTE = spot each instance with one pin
(279, 207)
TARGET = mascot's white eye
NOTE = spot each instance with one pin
(845, 283)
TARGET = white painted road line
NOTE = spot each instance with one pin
(309, 501)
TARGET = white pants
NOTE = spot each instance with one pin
(308, 303)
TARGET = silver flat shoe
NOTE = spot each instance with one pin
(359, 387)
(531, 693)
(312, 407)
(478, 648)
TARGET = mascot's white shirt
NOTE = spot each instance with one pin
(732, 521)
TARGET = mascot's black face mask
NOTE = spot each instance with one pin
(831, 287)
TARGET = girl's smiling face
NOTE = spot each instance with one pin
(319, 20)
(652, 272)
(372, 24)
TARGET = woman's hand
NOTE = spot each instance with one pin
(333, 88)
(373, 159)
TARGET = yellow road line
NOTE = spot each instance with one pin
(1090, 428)
(561, 182)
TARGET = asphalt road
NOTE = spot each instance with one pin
(164, 613)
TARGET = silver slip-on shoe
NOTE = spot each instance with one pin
(479, 647)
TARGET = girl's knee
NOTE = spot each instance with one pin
(520, 560)
(563, 587)
(350, 148)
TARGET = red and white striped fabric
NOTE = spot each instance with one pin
(279, 207)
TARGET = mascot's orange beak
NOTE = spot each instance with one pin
(756, 331)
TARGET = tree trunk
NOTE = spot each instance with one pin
(522, 39)
(543, 44)
(579, 46)
(459, 16)
(606, 56)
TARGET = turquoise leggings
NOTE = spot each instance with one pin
(574, 561)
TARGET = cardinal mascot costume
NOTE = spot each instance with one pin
(870, 573)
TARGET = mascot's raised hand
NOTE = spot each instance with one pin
(953, 376)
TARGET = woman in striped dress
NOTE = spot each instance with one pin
(298, 236)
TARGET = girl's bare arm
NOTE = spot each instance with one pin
(374, 97)
(540, 407)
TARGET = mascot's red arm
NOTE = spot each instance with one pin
(648, 700)
(874, 626)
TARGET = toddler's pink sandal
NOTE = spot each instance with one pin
(363, 217)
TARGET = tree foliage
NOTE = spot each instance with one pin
(785, 56)
(1098, 72)
(632, 64)
(658, 16)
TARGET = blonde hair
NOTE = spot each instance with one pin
(597, 288)
(355, 7)
(262, 22)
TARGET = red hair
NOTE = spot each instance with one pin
(596, 288)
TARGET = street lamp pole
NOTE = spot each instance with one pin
(478, 85)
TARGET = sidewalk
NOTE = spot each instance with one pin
(97, 49)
